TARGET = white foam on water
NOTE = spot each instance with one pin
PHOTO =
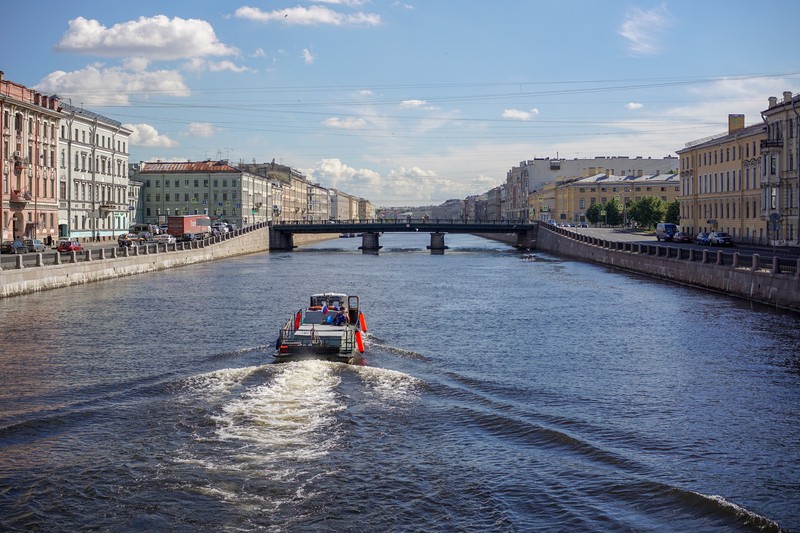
(291, 417)
(389, 386)
(221, 381)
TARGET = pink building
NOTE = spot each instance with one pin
(28, 194)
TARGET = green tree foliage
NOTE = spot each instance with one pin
(673, 212)
(648, 211)
(593, 213)
(613, 213)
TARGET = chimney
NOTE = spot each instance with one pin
(787, 97)
(773, 101)
(735, 123)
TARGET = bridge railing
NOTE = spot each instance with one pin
(403, 220)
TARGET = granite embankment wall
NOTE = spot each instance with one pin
(766, 279)
(98, 265)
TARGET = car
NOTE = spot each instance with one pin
(681, 237)
(720, 238)
(165, 238)
(583, 225)
(665, 230)
(13, 247)
(702, 238)
(69, 245)
(187, 237)
(34, 245)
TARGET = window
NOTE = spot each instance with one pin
(166, 197)
(196, 183)
(178, 183)
(582, 204)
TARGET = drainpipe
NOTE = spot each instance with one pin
(797, 166)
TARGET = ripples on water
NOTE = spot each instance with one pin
(504, 391)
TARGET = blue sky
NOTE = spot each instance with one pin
(406, 102)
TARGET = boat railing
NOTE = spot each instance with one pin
(348, 341)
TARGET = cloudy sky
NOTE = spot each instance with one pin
(406, 102)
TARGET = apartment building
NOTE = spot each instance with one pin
(721, 184)
(28, 152)
(92, 175)
(780, 169)
(215, 188)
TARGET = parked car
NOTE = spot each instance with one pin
(69, 245)
(583, 225)
(665, 230)
(720, 238)
(13, 247)
(681, 237)
(702, 238)
(34, 245)
(187, 237)
(165, 238)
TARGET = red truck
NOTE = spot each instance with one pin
(200, 225)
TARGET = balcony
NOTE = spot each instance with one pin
(19, 199)
(767, 144)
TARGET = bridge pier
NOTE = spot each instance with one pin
(279, 240)
(437, 246)
(370, 242)
(526, 240)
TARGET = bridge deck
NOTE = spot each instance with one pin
(392, 226)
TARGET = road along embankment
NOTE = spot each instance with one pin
(103, 264)
(767, 280)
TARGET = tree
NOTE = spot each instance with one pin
(673, 212)
(648, 211)
(613, 214)
(593, 213)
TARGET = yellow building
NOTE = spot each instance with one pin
(567, 199)
(720, 184)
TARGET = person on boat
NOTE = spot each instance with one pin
(341, 319)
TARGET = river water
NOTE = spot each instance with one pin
(503, 391)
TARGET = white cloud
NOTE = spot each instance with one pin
(412, 103)
(308, 16)
(308, 57)
(518, 114)
(156, 37)
(365, 92)
(634, 105)
(96, 85)
(225, 65)
(147, 136)
(642, 29)
(345, 124)
(259, 53)
(201, 129)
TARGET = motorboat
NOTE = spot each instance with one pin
(330, 328)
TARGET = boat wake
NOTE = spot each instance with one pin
(375, 342)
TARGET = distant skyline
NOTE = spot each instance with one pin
(407, 103)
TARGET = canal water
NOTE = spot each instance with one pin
(503, 391)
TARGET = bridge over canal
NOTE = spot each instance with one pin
(281, 234)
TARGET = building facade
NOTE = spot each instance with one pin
(214, 188)
(29, 158)
(780, 169)
(721, 185)
(92, 175)
(542, 170)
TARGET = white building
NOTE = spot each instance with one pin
(92, 175)
(543, 170)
